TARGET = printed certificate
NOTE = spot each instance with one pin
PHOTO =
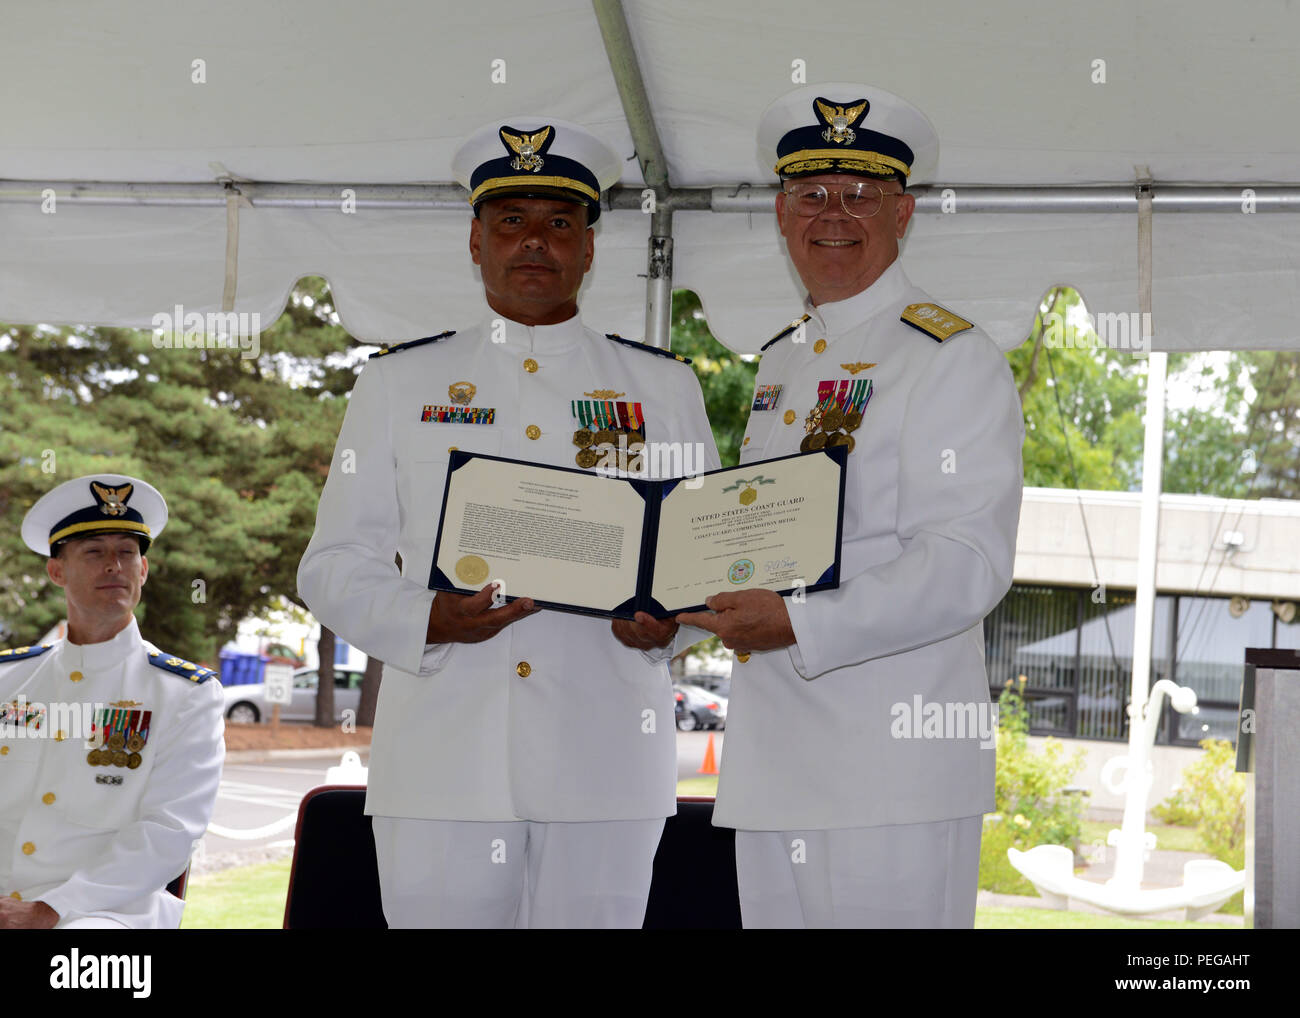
(578, 541)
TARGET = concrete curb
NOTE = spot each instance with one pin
(239, 756)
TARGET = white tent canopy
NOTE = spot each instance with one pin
(344, 95)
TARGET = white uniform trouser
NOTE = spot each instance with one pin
(469, 874)
(906, 876)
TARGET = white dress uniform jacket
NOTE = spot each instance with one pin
(71, 835)
(546, 720)
(932, 502)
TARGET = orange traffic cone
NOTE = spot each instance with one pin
(710, 765)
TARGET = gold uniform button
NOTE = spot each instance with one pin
(452, 448)
(60, 736)
(76, 676)
(524, 669)
(4, 750)
(789, 417)
(16, 896)
(28, 848)
(48, 798)
(533, 432)
(819, 346)
(742, 658)
(530, 365)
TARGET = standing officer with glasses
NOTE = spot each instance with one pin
(859, 753)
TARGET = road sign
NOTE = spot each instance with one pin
(279, 683)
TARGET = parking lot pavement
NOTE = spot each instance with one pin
(690, 751)
(260, 797)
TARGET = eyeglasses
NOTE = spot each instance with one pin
(861, 200)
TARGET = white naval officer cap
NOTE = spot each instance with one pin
(536, 157)
(95, 504)
(841, 127)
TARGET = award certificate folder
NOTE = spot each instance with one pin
(575, 540)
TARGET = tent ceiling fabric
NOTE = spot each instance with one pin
(384, 92)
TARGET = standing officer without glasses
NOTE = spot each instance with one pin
(843, 816)
(95, 824)
(522, 763)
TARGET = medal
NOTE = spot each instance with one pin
(133, 761)
(817, 441)
(587, 458)
(582, 438)
(472, 570)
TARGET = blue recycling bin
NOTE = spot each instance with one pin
(239, 669)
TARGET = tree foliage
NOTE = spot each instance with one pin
(239, 447)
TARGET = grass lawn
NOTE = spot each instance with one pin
(241, 898)
(1050, 919)
(1168, 838)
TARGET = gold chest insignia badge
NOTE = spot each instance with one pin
(528, 149)
(839, 121)
(856, 366)
(604, 394)
(461, 393)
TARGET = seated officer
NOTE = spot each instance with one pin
(110, 749)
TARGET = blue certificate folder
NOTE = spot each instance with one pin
(652, 495)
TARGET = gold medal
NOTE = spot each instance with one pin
(852, 420)
(135, 743)
(635, 435)
(472, 570)
(806, 444)
(604, 436)
(582, 438)
(817, 441)
(838, 438)
(120, 758)
(635, 464)
(116, 741)
(832, 419)
(587, 458)
(850, 443)
(92, 758)
(133, 761)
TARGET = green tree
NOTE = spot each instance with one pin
(1083, 403)
(726, 378)
(239, 446)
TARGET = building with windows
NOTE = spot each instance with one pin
(1228, 578)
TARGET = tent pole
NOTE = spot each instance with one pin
(1222, 199)
(654, 168)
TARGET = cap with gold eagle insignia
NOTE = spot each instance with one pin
(411, 344)
(840, 127)
(95, 504)
(536, 157)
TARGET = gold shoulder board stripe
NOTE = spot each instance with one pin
(411, 344)
(784, 332)
(936, 322)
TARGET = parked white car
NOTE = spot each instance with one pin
(247, 704)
